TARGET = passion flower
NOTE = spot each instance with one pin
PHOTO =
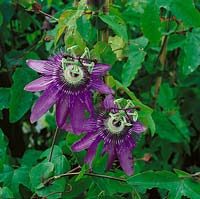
(116, 128)
(67, 81)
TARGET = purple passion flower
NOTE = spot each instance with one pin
(67, 81)
(116, 129)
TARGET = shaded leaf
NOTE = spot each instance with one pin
(192, 51)
(150, 22)
(20, 100)
(136, 56)
(4, 98)
(106, 55)
(39, 174)
(186, 12)
(12, 178)
(116, 24)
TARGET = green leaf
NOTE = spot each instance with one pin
(136, 57)
(20, 100)
(111, 187)
(87, 31)
(116, 24)
(61, 165)
(151, 179)
(165, 129)
(175, 41)
(73, 39)
(4, 98)
(30, 157)
(5, 192)
(117, 44)
(39, 174)
(167, 180)
(54, 190)
(166, 97)
(192, 51)
(1, 18)
(103, 52)
(177, 119)
(78, 188)
(186, 12)
(150, 22)
(12, 178)
(3, 149)
(57, 151)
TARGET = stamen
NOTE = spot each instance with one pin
(73, 74)
(114, 126)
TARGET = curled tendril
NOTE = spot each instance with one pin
(76, 61)
(125, 112)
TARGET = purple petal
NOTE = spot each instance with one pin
(92, 151)
(41, 66)
(47, 99)
(62, 109)
(125, 158)
(99, 86)
(89, 125)
(77, 115)
(108, 147)
(109, 102)
(85, 142)
(67, 127)
(86, 98)
(138, 128)
(39, 84)
(100, 69)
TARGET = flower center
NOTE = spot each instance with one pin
(73, 74)
(115, 126)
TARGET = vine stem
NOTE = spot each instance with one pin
(106, 11)
(53, 144)
(87, 174)
(162, 58)
(48, 15)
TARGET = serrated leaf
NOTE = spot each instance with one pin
(186, 12)
(150, 22)
(116, 24)
(176, 118)
(150, 179)
(117, 44)
(166, 96)
(20, 100)
(4, 98)
(74, 38)
(136, 57)
(165, 129)
(103, 52)
(192, 52)
(177, 187)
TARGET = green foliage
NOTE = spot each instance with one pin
(151, 30)
(177, 186)
(153, 49)
(20, 100)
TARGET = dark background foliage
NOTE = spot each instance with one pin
(153, 48)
